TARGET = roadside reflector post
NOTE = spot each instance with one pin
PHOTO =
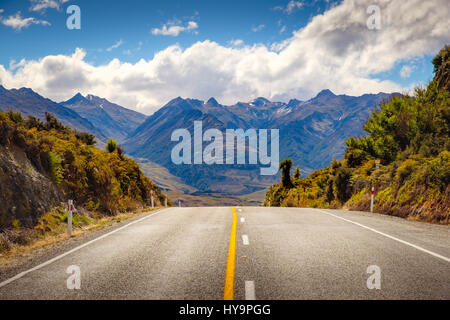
(372, 195)
(269, 203)
(179, 203)
(69, 217)
(153, 199)
(165, 201)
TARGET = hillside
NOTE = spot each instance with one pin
(44, 164)
(29, 103)
(410, 136)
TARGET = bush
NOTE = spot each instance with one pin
(111, 145)
(439, 170)
(285, 167)
(342, 182)
(405, 170)
(56, 173)
(86, 138)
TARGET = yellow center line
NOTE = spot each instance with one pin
(231, 262)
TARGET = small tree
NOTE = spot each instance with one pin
(111, 145)
(87, 138)
(297, 173)
(342, 182)
(285, 167)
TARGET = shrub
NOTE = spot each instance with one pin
(54, 162)
(111, 145)
(439, 170)
(297, 173)
(86, 138)
(342, 182)
(285, 167)
(405, 170)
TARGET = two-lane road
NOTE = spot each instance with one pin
(280, 253)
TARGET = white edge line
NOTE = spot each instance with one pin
(245, 240)
(20, 275)
(390, 237)
(250, 290)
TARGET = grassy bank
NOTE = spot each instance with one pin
(52, 229)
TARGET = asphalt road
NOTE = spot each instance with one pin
(281, 253)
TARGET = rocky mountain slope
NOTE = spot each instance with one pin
(25, 193)
(111, 119)
(29, 103)
(311, 132)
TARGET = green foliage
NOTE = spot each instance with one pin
(97, 180)
(86, 138)
(285, 167)
(15, 117)
(56, 171)
(406, 169)
(342, 183)
(439, 171)
(111, 145)
(16, 223)
(411, 137)
(53, 123)
(297, 173)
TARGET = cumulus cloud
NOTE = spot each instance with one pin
(335, 50)
(18, 23)
(174, 30)
(38, 5)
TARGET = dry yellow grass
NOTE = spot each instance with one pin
(60, 235)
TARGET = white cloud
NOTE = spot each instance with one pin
(174, 30)
(18, 23)
(258, 28)
(1, 10)
(334, 51)
(38, 5)
(290, 7)
(115, 45)
(236, 43)
(13, 65)
(406, 71)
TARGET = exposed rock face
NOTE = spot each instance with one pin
(25, 194)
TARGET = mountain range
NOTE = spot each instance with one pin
(111, 119)
(312, 132)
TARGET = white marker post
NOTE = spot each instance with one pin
(269, 203)
(165, 201)
(372, 195)
(179, 203)
(153, 199)
(69, 217)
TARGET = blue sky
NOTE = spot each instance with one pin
(106, 22)
(133, 30)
